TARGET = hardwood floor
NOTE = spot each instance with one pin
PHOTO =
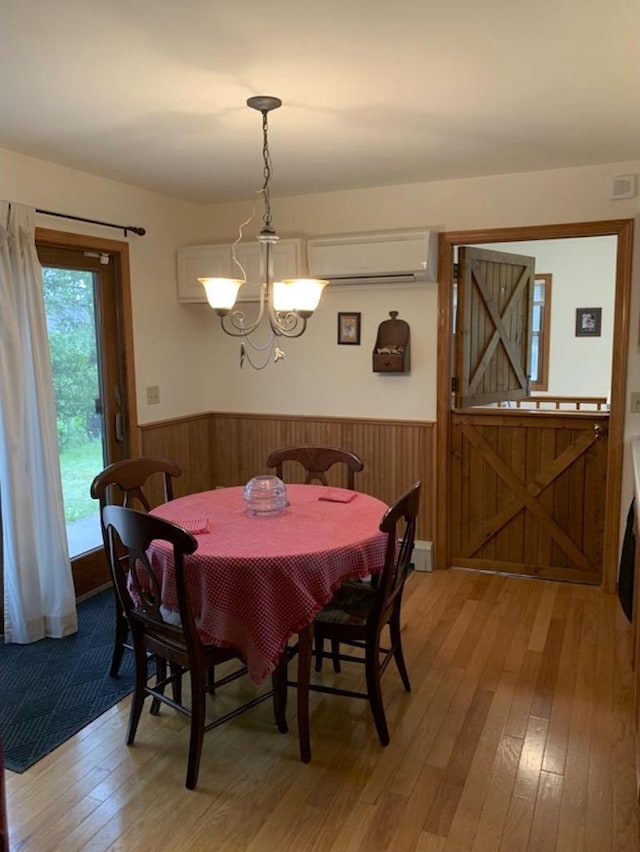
(517, 736)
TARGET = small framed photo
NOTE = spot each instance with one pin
(349, 329)
(588, 322)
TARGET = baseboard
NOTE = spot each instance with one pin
(422, 556)
(93, 592)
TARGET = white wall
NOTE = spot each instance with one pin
(583, 275)
(318, 376)
(180, 348)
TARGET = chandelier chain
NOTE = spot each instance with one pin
(296, 298)
(266, 189)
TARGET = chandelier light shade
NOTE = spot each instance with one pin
(284, 306)
(301, 295)
(221, 293)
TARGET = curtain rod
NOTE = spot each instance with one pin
(134, 230)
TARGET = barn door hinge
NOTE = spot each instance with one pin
(454, 384)
(456, 271)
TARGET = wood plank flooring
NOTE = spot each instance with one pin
(518, 735)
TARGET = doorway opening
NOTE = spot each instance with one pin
(623, 231)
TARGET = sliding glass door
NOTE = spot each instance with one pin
(82, 303)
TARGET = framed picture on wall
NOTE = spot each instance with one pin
(588, 322)
(349, 329)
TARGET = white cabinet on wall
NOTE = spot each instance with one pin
(201, 262)
(216, 261)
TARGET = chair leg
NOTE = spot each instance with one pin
(198, 713)
(335, 650)
(279, 683)
(176, 683)
(211, 680)
(319, 643)
(374, 692)
(122, 628)
(396, 644)
(305, 642)
(139, 695)
(161, 674)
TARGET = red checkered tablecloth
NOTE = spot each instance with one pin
(256, 580)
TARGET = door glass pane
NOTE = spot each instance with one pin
(535, 320)
(535, 357)
(71, 324)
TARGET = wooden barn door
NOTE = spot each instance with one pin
(494, 303)
(526, 489)
(527, 492)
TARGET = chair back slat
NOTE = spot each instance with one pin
(399, 522)
(316, 461)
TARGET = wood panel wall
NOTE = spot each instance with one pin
(186, 440)
(223, 449)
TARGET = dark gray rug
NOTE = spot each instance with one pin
(51, 689)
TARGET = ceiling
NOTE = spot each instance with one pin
(153, 92)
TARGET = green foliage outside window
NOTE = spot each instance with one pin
(70, 312)
(71, 327)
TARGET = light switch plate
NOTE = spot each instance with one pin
(153, 395)
(635, 402)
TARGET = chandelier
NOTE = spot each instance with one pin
(285, 304)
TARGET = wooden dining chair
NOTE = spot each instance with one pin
(177, 643)
(124, 482)
(358, 613)
(316, 460)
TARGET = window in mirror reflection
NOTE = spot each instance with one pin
(540, 332)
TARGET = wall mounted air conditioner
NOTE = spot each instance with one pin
(388, 257)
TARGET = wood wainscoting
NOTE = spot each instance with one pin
(185, 440)
(223, 449)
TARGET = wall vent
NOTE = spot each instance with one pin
(623, 186)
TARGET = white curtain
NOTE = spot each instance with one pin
(39, 598)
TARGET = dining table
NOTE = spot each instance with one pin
(256, 580)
